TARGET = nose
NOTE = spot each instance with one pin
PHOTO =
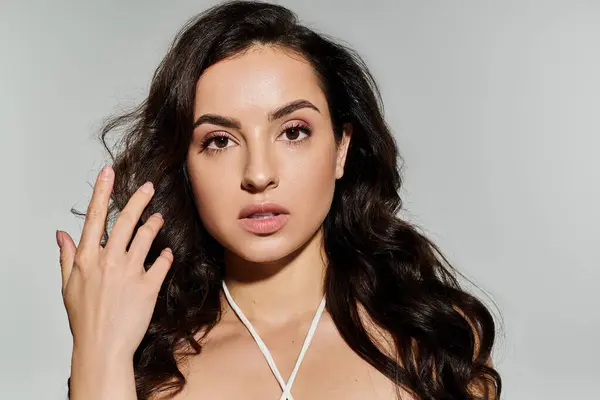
(260, 171)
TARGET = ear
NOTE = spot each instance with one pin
(342, 150)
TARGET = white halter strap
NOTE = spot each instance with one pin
(286, 387)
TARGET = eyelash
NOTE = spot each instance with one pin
(303, 128)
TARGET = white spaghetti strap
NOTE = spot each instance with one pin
(286, 387)
(263, 347)
(311, 332)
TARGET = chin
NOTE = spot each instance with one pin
(264, 249)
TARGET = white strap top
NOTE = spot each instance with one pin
(285, 386)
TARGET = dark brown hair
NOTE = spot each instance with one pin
(377, 262)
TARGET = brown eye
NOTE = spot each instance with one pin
(220, 141)
(292, 133)
(295, 134)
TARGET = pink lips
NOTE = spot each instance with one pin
(263, 225)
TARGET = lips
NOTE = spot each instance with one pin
(263, 219)
(264, 208)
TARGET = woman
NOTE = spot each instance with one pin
(263, 257)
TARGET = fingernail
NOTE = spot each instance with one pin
(59, 239)
(106, 173)
(147, 187)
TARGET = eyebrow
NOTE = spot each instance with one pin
(233, 123)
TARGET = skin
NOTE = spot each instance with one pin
(277, 280)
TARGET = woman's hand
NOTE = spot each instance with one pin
(108, 295)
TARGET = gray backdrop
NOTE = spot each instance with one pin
(495, 106)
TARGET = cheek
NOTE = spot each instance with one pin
(315, 173)
(311, 178)
(212, 191)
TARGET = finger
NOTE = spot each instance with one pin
(128, 219)
(144, 237)
(158, 271)
(67, 255)
(95, 217)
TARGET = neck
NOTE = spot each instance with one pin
(279, 291)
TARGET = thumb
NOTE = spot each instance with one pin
(67, 255)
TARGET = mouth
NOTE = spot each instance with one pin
(263, 215)
(262, 210)
(265, 218)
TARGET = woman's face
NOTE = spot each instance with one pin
(263, 135)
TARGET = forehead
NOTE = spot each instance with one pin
(263, 77)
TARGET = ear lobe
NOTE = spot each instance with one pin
(342, 150)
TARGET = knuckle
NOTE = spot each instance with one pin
(82, 259)
(109, 262)
(100, 188)
(154, 223)
(127, 217)
(146, 230)
(94, 213)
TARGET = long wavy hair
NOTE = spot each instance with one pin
(377, 263)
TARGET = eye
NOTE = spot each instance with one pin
(220, 142)
(216, 142)
(294, 132)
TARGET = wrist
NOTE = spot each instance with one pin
(100, 354)
(100, 375)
